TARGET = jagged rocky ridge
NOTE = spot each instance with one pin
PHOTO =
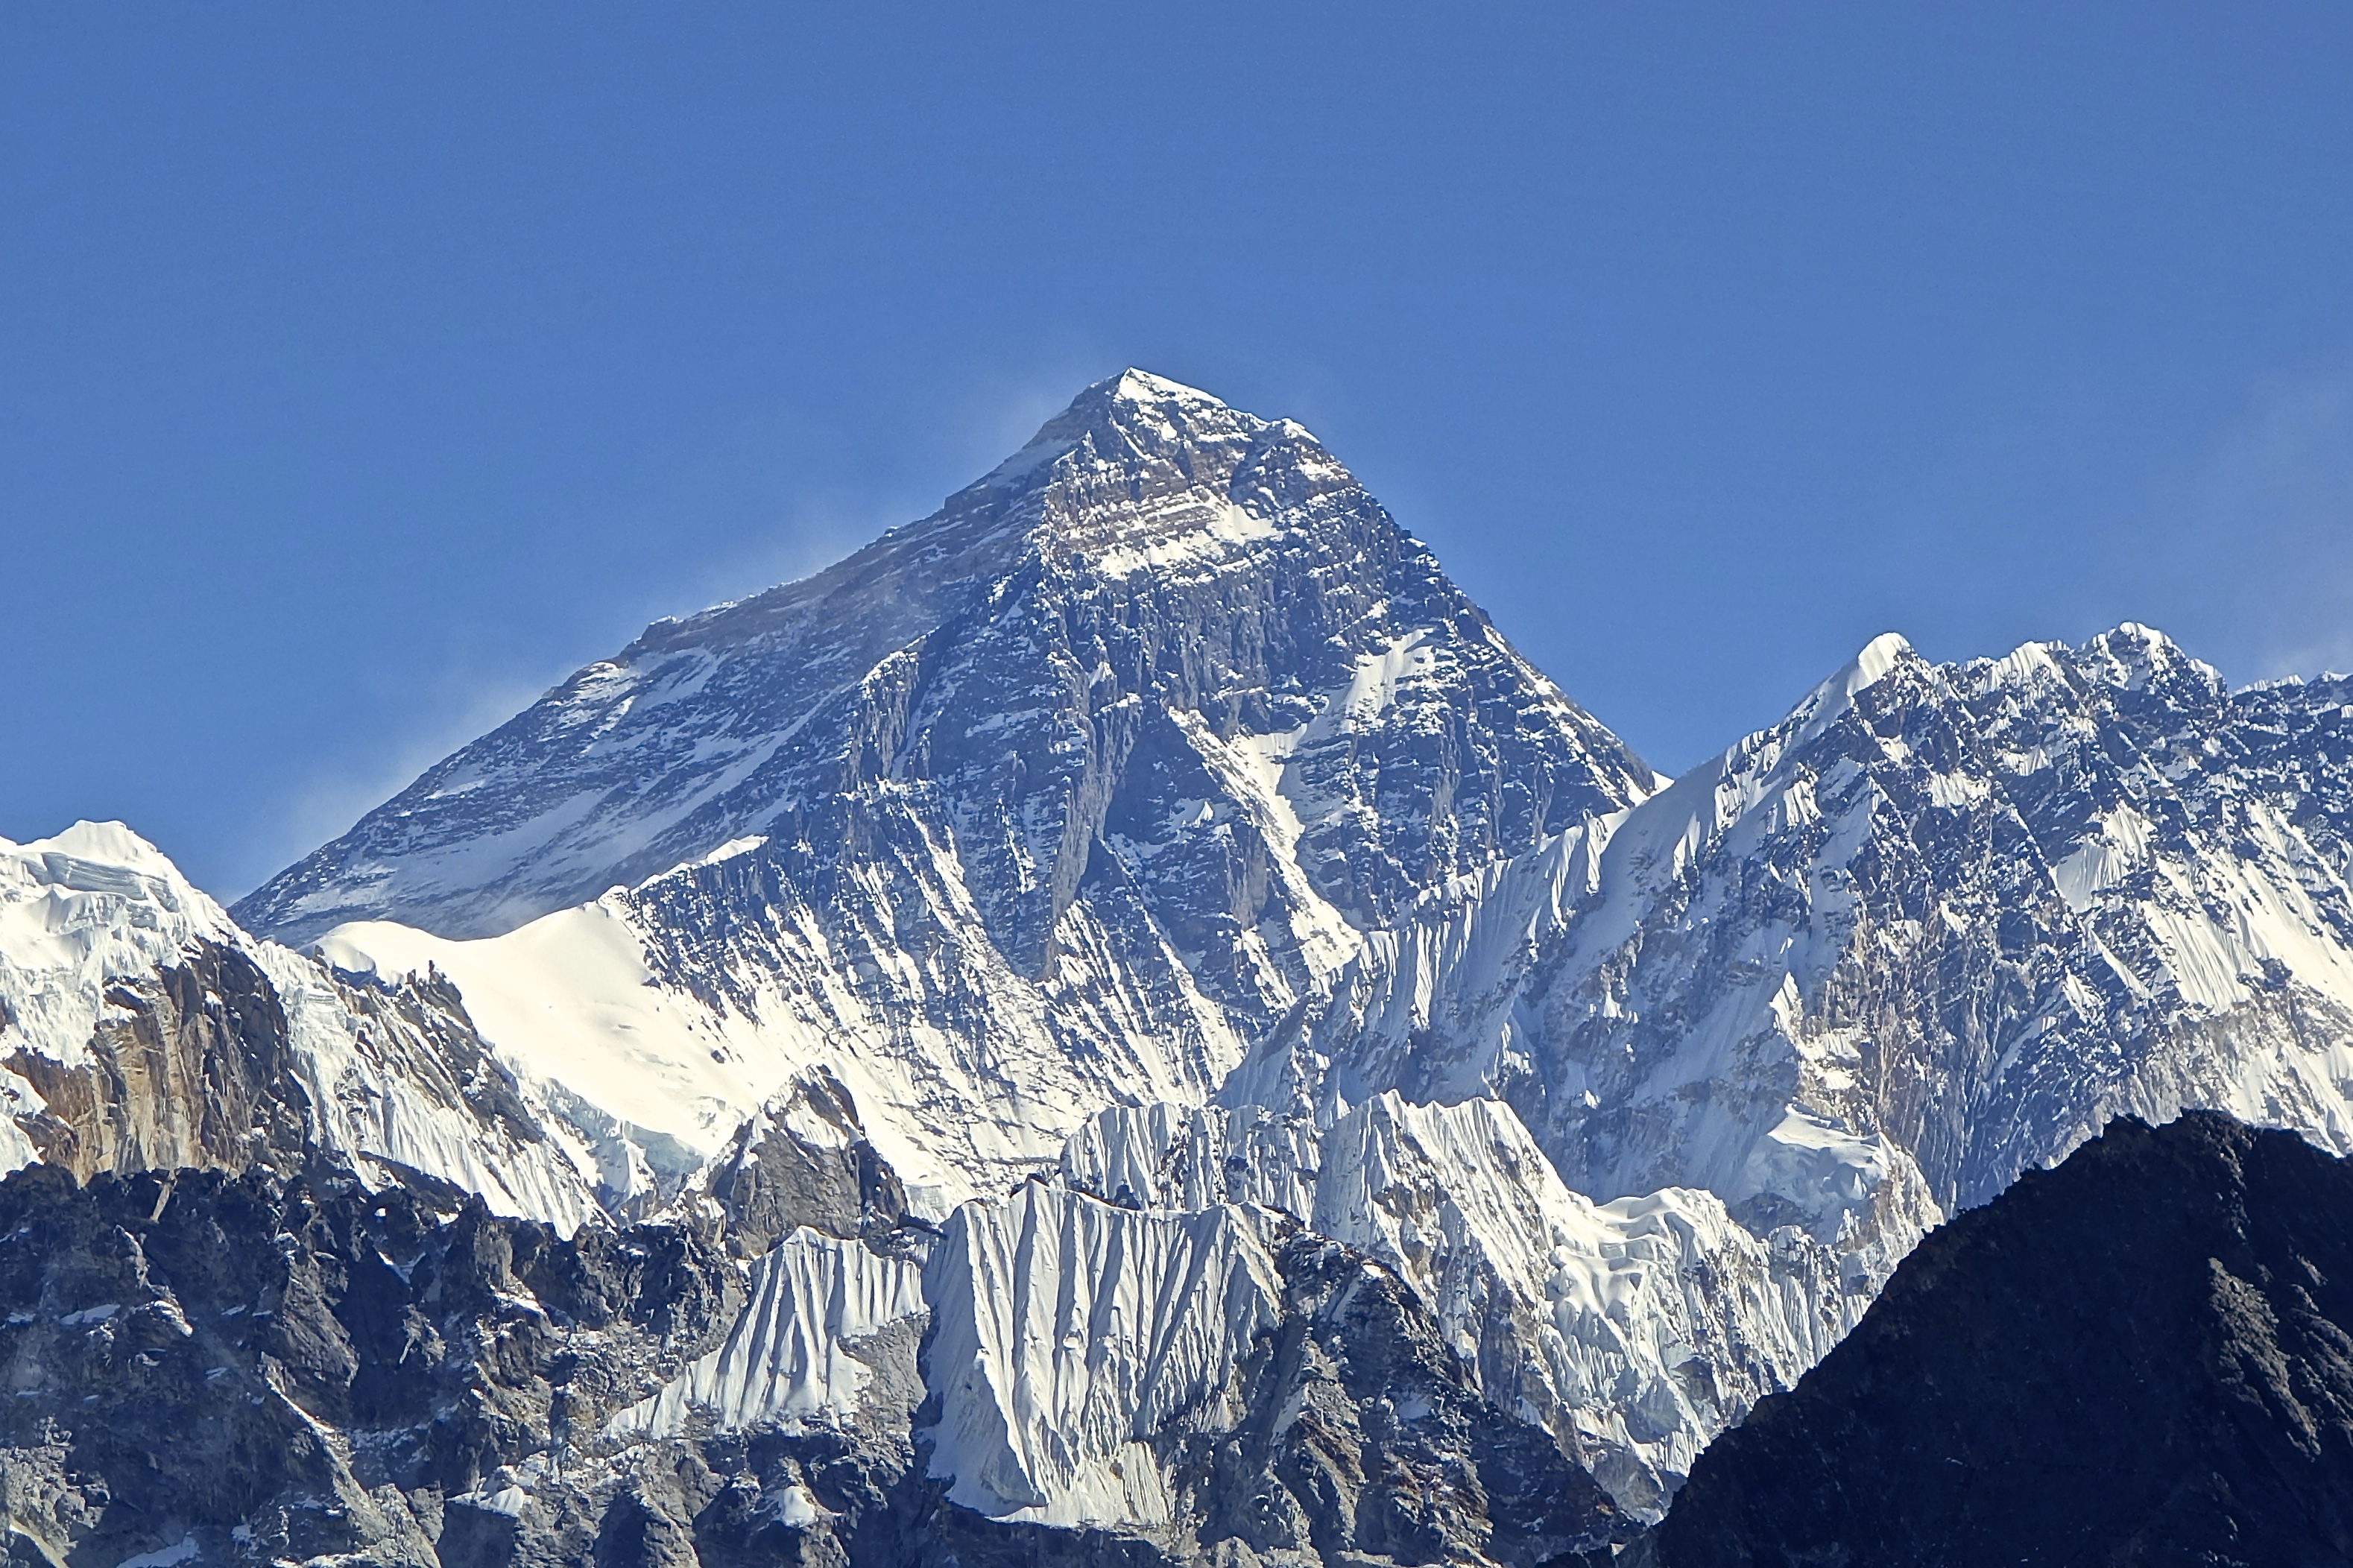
(977, 863)
(1943, 919)
(2145, 1356)
(1932, 931)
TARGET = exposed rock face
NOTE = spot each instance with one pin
(296, 1366)
(189, 1066)
(1362, 1441)
(804, 1159)
(2143, 1356)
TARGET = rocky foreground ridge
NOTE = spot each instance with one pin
(2145, 1356)
(1134, 1021)
(293, 1366)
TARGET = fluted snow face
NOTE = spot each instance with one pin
(1069, 1333)
(142, 1029)
(1633, 1330)
(823, 1324)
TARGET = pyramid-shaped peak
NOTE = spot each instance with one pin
(1135, 385)
(1136, 410)
(1135, 394)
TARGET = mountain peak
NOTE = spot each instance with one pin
(1151, 546)
(107, 843)
(1134, 390)
(1133, 418)
(108, 857)
(1878, 656)
(1135, 384)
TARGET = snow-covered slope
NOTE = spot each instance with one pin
(1056, 799)
(140, 1029)
(1633, 1330)
(1941, 923)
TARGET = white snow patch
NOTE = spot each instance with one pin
(181, 1551)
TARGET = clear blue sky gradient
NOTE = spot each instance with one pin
(364, 369)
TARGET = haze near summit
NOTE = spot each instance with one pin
(368, 374)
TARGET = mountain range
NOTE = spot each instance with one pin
(1122, 1023)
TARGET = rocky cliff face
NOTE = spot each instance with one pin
(2142, 1356)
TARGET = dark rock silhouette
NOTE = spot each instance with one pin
(2144, 1356)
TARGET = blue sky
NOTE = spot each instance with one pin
(363, 369)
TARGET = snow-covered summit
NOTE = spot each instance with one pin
(1140, 414)
(59, 891)
(1153, 558)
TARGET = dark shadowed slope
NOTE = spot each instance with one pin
(2140, 1357)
